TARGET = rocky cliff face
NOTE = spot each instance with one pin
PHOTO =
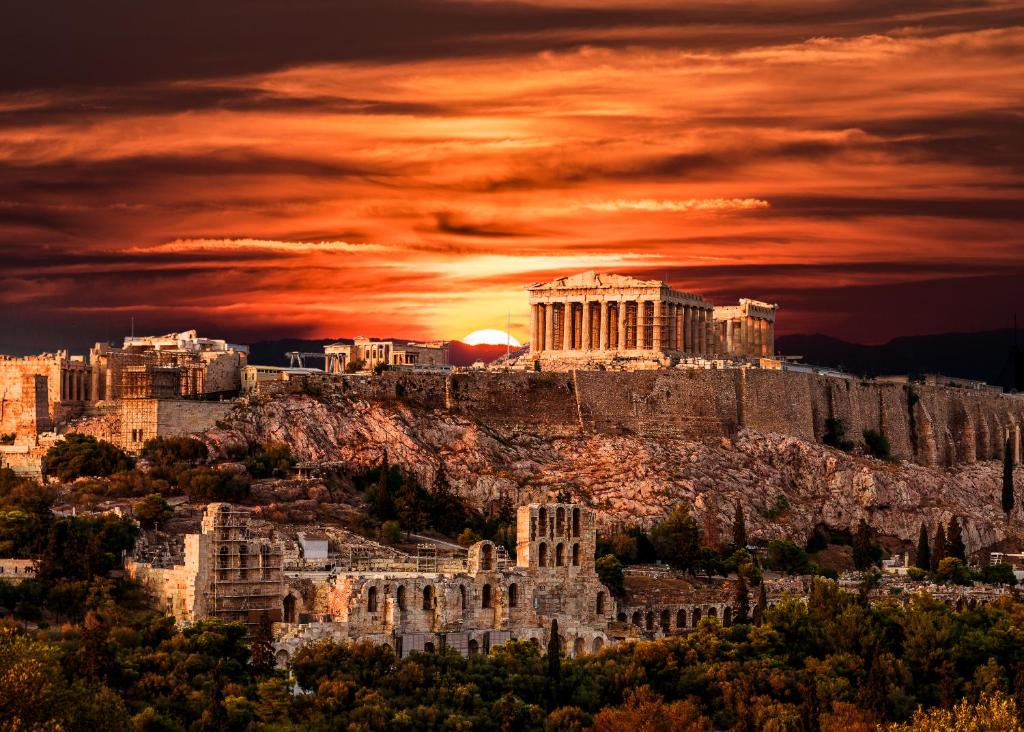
(630, 478)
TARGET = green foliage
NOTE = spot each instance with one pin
(78, 455)
(610, 572)
(916, 573)
(866, 551)
(835, 435)
(171, 450)
(677, 539)
(8, 438)
(825, 664)
(270, 461)
(999, 574)
(877, 444)
(938, 547)
(739, 528)
(955, 540)
(391, 532)
(208, 484)
(785, 556)
(953, 571)
(924, 552)
(153, 510)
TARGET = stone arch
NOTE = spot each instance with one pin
(428, 647)
(597, 645)
(600, 603)
(288, 606)
(474, 647)
(513, 595)
(696, 617)
(462, 598)
(400, 597)
(680, 619)
(649, 620)
(620, 617)
(665, 620)
(713, 612)
(637, 619)
(371, 599)
(579, 647)
(542, 521)
(576, 555)
(559, 521)
(223, 557)
(485, 596)
(560, 555)
(486, 558)
(727, 616)
(542, 555)
(428, 597)
(576, 522)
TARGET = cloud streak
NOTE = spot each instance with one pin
(324, 169)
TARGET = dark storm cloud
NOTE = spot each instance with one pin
(47, 43)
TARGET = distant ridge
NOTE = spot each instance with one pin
(272, 353)
(983, 355)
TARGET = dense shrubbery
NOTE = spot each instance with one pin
(77, 456)
(269, 461)
(877, 444)
(393, 495)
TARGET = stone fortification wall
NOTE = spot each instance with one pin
(932, 425)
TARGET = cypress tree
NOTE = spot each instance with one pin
(554, 654)
(955, 540)
(743, 600)
(1008, 496)
(938, 547)
(924, 553)
(761, 607)
(739, 528)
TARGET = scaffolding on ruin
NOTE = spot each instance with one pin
(428, 558)
(242, 589)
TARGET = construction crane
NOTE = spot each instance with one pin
(295, 357)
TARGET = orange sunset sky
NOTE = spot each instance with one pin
(403, 168)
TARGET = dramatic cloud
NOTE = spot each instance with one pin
(405, 167)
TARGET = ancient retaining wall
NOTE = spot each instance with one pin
(934, 426)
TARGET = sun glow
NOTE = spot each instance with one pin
(490, 337)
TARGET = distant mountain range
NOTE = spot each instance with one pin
(272, 353)
(985, 355)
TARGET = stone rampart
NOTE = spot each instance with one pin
(932, 425)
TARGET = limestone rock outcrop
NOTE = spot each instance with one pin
(787, 485)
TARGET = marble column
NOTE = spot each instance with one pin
(658, 329)
(771, 338)
(621, 335)
(532, 330)
(702, 331)
(585, 340)
(602, 335)
(567, 326)
(687, 330)
(549, 326)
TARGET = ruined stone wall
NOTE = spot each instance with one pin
(932, 425)
(16, 381)
(143, 419)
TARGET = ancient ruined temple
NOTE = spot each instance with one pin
(592, 316)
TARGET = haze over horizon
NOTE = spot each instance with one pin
(263, 170)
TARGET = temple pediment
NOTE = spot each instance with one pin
(593, 279)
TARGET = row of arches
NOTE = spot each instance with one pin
(559, 555)
(429, 599)
(680, 619)
(563, 523)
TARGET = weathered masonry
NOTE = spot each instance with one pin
(593, 315)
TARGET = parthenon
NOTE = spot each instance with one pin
(595, 316)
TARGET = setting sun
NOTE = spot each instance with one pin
(490, 337)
